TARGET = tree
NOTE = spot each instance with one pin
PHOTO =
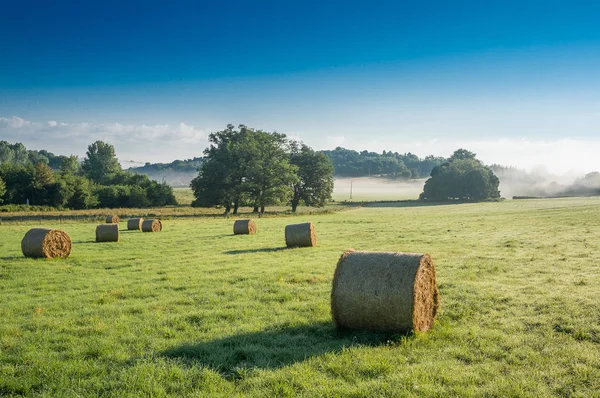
(220, 180)
(269, 174)
(244, 166)
(315, 176)
(462, 178)
(462, 154)
(83, 193)
(2, 189)
(70, 165)
(100, 164)
(43, 175)
(19, 182)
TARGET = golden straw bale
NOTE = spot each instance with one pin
(300, 235)
(107, 233)
(45, 242)
(244, 227)
(384, 291)
(134, 224)
(151, 225)
(112, 219)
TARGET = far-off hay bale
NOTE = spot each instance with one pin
(244, 227)
(384, 291)
(45, 242)
(112, 219)
(152, 225)
(134, 224)
(300, 235)
(107, 233)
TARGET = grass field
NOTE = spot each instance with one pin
(197, 311)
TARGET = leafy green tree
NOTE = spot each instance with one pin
(2, 189)
(315, 176)
(244, 166)
(113, 196)
(70, 165)
(6, 153)
(462, 178)
(100, 164)
(462, 154)
(19, 182)
(43, 175)
(221, 177)
(137, 197)
(158, 194)
(83, 193)
(269, 175)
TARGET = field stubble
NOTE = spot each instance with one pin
(196, 310)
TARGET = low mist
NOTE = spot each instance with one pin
(513, 182)
(541, 183)
(376, 188)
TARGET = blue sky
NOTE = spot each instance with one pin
(506, 78)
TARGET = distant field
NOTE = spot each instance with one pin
(363, 189)
(195, 310)
(376, 188)
(184, 196)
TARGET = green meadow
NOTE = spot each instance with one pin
(197, 311)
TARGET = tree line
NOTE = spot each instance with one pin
(346, 163)
(249, 167)
(43, 179)
(350, 163)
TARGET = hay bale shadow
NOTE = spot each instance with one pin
(275, 347)
(81, 242)
(263, 250)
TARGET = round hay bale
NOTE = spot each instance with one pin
(300, 235)
(112, 219)
(152, 225)
(47, 243)
(107, 233)
(244, 227)
(384, 291)
(134, 224)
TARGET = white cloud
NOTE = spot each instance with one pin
(138, 143)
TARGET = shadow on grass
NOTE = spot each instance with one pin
(215, 236)
(83, 242)
(263, 250)
(12, 257)
(274, 348)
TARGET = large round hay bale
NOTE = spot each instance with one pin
(244, 227)
(152, 225)
(384, 291)
(112, 219)
(300, 235)
(45, 242)
(107, 233)
(134, 224)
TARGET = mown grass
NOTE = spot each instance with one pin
(197, 311)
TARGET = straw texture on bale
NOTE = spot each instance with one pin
(45, 242)
(244, 227)
(384, 291)
(107, 233)
(134, 224)
(112, 219)
(152, 225)
(300, 235)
